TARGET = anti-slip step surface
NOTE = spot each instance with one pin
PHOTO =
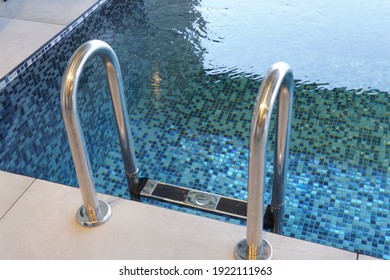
(197, 199)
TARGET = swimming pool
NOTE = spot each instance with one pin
(192, 70)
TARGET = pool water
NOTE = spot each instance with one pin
(191, 72)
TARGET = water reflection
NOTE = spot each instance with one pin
(156, 81)
(341, 43)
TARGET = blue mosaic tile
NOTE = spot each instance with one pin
(191, 127)
(33, 135)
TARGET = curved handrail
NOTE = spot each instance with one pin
(91, 213)
(278, 82)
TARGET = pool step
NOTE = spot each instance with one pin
(193, 198)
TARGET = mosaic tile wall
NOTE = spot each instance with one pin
(32, 133)
(191, 127)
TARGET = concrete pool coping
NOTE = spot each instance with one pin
(38, 222)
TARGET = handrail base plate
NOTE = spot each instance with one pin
(84, 220)
(241, 251)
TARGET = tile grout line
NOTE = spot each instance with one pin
(13, 204)
(35, 21)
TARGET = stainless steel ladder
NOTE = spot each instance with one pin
(94, 212)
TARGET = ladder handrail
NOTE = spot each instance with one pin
(75, 135)
(278, 82)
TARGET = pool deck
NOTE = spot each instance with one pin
(38, 222)
(25, 25)
(37, 218)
